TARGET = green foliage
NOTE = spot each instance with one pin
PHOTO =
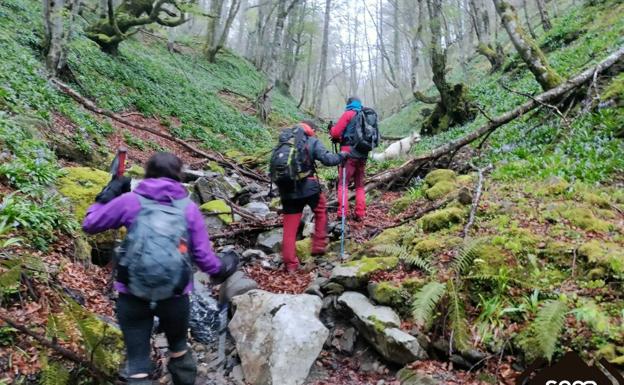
(465, 256)
(547, 326)
(457, 318)
(10, 280)
(590, 313)
(40, 215)
(425, 301)
(53, 373)
(407, 257)
(134, 142)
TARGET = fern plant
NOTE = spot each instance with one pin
(457, 316)
(406, 257)
(464, 257)
(53, 373)
(547, 326)
(425, 302)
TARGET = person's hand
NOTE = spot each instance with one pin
(344, 156)
(229, 264)
(113, 189)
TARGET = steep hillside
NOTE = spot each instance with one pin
(507, 251)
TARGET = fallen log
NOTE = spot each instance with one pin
(386, 177)
(64, 352)
(217, 157)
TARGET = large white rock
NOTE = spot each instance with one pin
(278, 336)
(379, 325)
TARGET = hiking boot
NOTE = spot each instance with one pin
(183, 369)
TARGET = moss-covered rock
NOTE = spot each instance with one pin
(428, 246)
(466, 180)
(80, 185)
(304, 250)
(387, 293)
(585, 219)
(604, 254)
(595, 199)
(440, 189)
(367, 266)
(220, 208)
(413, 284)
(215, 167)
(442, 219)
(401, 204)
(488, 258)
(439, 175)
(82, 248)
(392, 236)
(355, 274)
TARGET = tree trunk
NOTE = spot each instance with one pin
(454, 106)
(370, 64)
(543, 15)
(59, 16)
(124, 20)
(320, 88)
(528, 19)
(493, 54)
(415, 42)
(528, 49)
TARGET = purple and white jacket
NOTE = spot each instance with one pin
(123, 210)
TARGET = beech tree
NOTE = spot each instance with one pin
(480, 22)
(454, 106)
(217, 32)
(528, 49)
(123, 21)
(59, 18)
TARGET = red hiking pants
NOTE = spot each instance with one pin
(293, 210)
(356, 169)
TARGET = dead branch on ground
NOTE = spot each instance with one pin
(476, 198)
(385, 177)
(64, 352)
(217, 157)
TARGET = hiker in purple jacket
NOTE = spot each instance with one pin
(115, 207)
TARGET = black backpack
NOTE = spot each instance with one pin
(290, 159)
(362, 133)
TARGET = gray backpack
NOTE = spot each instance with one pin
(154, 262)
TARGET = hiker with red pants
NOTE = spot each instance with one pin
(303, 189)
(341, 132)
(166, 232)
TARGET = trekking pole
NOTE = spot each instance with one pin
(342, 225)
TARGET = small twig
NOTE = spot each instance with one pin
(476, 198)
(482, 111)
(575, 253)
(544, 104)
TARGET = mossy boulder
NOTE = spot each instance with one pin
(80, 185)
(604, 254)
(401, 204)
(412, 285)
(439, 175)
(428, 246)
(82, 248)
(585, 219)
(367, 266)
(387, 293)
(441, 219)
(488, 258)
(220, 208)
(595, 199)
(304, 250)
(215, 167)
(392, 236)
(355, 274)
(465, 180)
(440, 190)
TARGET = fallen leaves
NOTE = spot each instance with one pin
(280, 281)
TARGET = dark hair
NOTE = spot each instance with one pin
(164, 165)
(311, 124)
(352, 99)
